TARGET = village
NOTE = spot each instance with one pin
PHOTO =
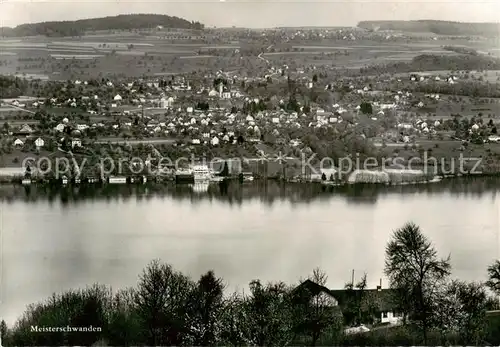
(277, 118)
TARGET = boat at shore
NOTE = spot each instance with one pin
(201, 173)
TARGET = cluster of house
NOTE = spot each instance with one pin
(24, 132)
(451, 79)
(217, 125)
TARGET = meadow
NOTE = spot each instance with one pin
(153, 53)
(101, 54)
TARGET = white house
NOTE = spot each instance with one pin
(117, 97)
(60, 127)
(76, 143)
(236, 94)
(406, 126)
(163, 103)
(39, 143)
(215, 141)
(18, 142)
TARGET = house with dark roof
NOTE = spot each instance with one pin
(25, 130)
(382, 305)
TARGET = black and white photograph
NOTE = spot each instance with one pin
(249, 173)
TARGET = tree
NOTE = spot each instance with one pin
(124, 327)
(204, 311)
(316, 314)
(461, 309)
(315, 78)
(415, 271)
(494, 277)
(80, 308)
(3, 332)
(360, 307)
(161, 299)
(366, 108)
(269, 315)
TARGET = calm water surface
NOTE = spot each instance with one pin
(55, 240)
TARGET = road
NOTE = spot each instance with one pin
(135, 142)
(9, 108)
(262, 58)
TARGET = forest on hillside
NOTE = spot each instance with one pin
(429, 62)
(79, 27)
(435, 27)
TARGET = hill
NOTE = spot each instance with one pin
(428, 62)
(79, 27)
(435, 27)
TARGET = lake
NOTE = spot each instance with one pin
(57, 239)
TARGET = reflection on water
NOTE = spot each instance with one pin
(57, 239)
(235, 193)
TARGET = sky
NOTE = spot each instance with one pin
(254, 13)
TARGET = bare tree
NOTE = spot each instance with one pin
(415, 271)
(270, 317)
(494, 277)
(319, 314)
(161, 298)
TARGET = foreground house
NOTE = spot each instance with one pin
(378, 304)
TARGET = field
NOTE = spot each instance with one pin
(94, 56)
(357, 54)
(102, 54)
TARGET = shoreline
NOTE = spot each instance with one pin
(157, 180)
